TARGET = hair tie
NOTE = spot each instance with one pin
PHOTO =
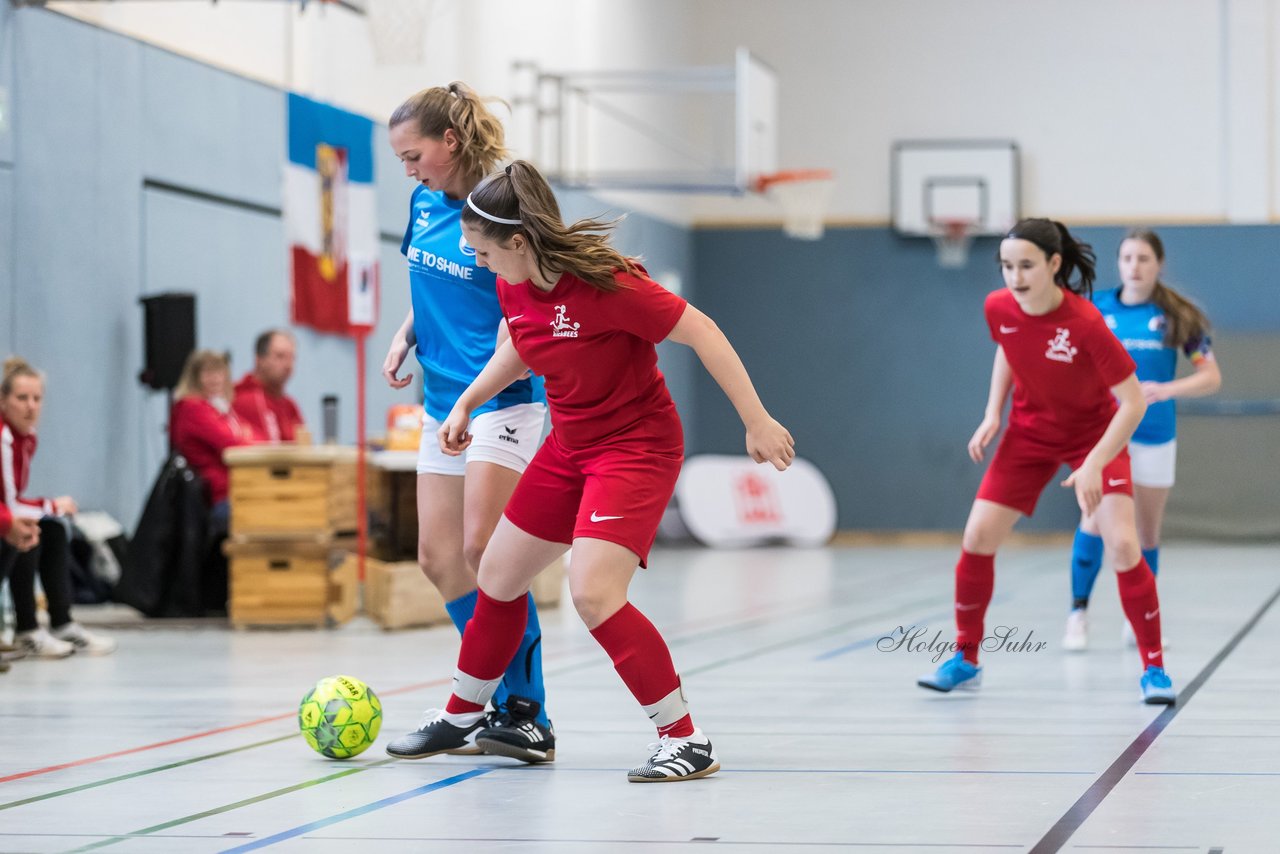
(500, 220)
(508, 169)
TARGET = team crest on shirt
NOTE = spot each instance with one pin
(562, 326)
(465, 248)
(1060, 348)
(423, 216)
(1156, 323)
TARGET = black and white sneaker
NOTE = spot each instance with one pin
(677, 759)
(436, 735)
(515, 732)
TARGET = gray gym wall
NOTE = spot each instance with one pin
(877, 360)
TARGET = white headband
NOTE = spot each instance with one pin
(490, 216)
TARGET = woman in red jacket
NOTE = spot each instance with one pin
(21, 400)
(203, 425)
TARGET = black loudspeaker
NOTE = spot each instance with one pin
(169, 326)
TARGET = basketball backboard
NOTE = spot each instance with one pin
(695, 129)
(936, 182)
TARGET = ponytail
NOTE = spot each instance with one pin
(457, 107)
(518, 200)
(14, 367)
(1183, 320)
(1053, 238)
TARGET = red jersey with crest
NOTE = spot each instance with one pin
(1064, 364)
(595, 350)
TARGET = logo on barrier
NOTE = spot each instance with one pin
(756, 500)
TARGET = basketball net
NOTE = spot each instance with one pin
(398, 30)
(951, 239)
(803, 196)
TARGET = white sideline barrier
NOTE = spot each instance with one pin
(731, 502)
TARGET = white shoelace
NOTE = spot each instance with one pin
(430, 716)
(666, 748)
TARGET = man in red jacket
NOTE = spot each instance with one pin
(260, 402)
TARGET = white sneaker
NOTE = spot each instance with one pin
(38, 643)
(677, 759)
(1076, 636)
(84, 640)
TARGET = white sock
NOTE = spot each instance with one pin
(463, 720)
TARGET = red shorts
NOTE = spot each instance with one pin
(1022, 467)
(615, 492)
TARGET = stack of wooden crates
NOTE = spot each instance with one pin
(293, 521)
(396, 593)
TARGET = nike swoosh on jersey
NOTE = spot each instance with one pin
(1007, 329)
(597, 518)
(514, 319)
(1115, 482)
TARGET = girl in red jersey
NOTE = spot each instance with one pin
(586, 319)
(1076, 400)
(21, 403)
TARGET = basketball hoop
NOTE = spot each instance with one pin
(803, 196)
(951, 237)
(397, 30)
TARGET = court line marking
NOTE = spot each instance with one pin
(1061, 832)
(193, 736)
(738, 623)
(346, 772)
(358, 811)
(385, 802)
(122, 777)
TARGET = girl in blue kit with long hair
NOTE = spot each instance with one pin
(1154, 323)
(448, 140)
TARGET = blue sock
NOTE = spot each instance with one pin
(523, 676)
(1153, 559)
(1086, 562)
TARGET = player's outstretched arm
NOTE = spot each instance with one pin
(400, 344)
(1087, 480)
(767, 440)
(503, 369)
(1001, 382)
(1205, 380)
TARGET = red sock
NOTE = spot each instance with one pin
(1142, 607)
(975, 579)
(642, 659)
(492, 636)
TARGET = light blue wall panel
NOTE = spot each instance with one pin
(211, 130)
(76, 249)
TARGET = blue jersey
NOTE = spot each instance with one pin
(455, 307)
(1140, 329)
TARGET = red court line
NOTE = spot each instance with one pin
(727, 617)
(89, 761)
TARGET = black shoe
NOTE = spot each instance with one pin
(436, 735)
(677, 759)
(515, 732)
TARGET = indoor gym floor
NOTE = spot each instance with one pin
(186, 739)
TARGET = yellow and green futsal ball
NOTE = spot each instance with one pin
(340, 717)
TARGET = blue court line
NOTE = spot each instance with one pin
(358, 811)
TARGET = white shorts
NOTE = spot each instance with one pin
(1153, 465)
(507, 437)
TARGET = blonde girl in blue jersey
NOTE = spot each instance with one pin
(1154, 322)
(448, 139)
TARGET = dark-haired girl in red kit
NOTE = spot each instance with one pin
(1076, 400)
